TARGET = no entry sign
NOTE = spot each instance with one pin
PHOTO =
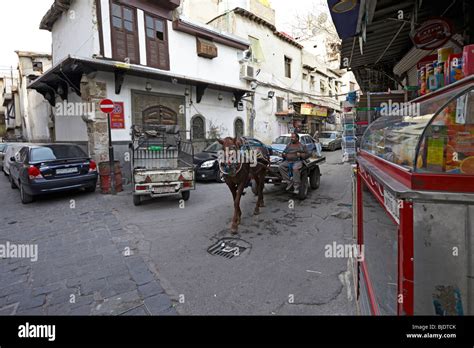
(107, 106)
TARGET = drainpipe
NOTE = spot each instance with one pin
(253, 114)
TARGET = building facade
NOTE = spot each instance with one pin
(150, 62)
(11, 105)
(286, 79)
(35, 112)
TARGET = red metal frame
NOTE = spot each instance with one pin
(406, 278)
(405, 245)
(426, 182)
(362, 266)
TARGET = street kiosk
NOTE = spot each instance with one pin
(414, 207)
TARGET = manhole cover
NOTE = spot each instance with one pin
(229, 248)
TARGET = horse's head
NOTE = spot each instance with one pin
(231, 143)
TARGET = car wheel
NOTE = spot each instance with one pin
(315, 179)
(12, 183)
(137, 200)
(186, 195)
(303, 192)
(25, 198)
(333, 147)
(220, 177)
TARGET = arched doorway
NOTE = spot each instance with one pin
(239, 130)
(198, 128)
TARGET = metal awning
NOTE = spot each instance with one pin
(387, 39)
(69, 72)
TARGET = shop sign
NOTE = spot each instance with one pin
(313, 110)
(432, 34)
(117, 117)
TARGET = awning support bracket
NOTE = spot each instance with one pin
(238, 97)
(200, 90)
(119, 79)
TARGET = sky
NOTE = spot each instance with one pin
(19, 26)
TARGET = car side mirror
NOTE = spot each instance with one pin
(12, 159)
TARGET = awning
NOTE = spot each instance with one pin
(345, 15)
(387, 37)
(69, 72)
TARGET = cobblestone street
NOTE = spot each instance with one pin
(100, 255)
(84, 266)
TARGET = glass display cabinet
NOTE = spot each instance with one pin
(414, 207)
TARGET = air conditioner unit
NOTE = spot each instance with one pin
(247, 72)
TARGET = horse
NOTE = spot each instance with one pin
(238, 176)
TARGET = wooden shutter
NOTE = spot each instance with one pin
(124, 33)
(156, 32)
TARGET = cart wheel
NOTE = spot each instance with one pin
(315, 179)
(186, 195)
(137, 200)
(304, 186)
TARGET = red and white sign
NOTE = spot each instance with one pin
(432, 34)
(117, 116)
(107, 106)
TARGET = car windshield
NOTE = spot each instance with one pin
(328, 136)
(283, 140)
(214, 147)
(56, 152)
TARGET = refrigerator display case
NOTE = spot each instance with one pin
(414, 207)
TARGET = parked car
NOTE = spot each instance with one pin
(42, 169)
(312, 145)
(3, 149)
(11, 151)
(207, 166)
(330, 140)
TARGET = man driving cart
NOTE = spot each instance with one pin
(290, 169)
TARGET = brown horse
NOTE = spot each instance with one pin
(239, 176)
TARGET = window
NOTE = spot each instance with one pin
(279, 104)
(23, 154)
(288, 67)
(238, 128)
(257, 52)
(351, 86)
(124, 34)
(157, 42)
(322, 85)
(54, 152)
(38, 66)
(305, 76)
(312, 83)
(198, 128)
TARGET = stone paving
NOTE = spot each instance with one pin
(87, 263)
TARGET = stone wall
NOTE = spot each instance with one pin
(97, 129)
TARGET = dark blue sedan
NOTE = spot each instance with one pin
(43, 169)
